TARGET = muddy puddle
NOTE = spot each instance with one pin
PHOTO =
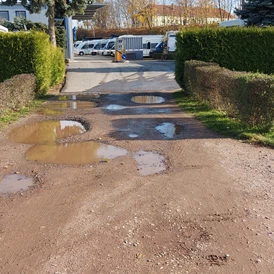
(74, 153)
(46, 131)
(115, 107)
(147, 99)
(149, 163)
(14, 183)
(170, 130)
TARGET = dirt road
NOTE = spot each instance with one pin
(142, 187)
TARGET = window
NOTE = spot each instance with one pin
(21, 13)
(4, 15)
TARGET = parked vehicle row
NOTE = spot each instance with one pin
(148, 44)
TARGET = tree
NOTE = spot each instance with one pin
(257, 12)
(55, 8)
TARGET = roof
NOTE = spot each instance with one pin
(89, 12)
(174, 10)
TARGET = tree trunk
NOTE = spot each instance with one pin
(51, 15)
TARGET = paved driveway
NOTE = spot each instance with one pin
(100, 74)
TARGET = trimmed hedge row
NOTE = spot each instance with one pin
(32, 53)
(248, 97)
(16, 92)
(241, 49)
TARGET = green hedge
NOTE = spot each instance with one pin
(248, 97)
(32, 53)
(241, 49)
(16, 92)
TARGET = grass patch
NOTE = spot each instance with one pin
(221, 123)
(14, 115)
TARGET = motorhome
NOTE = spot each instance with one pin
(232, 23)
(3, 29)
(106, 49)
(85, 47)
(150, 42)
(171, 40)
(98, 46)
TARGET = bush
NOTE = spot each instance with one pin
(248, 97)
(31, 52)
(241, 49)
(16, 92)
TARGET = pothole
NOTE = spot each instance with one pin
(46, 131)
(115, 107)
(74, 153)
(170, 130)
(69, 105)
(14, 183)
(149, 163)
(147, 99)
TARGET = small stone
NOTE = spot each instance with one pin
(139, 255)
(17, 172)
(258, 260)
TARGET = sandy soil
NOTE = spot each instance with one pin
(209, 211)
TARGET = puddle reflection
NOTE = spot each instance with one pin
(149, 163)
(170, 130)
(46, 131)
(74, 153)
(15, 182)
(115, 107)
(147, 99)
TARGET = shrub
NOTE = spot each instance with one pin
(31, 52)
(241, 49)
(246, 96)
(16, 92)
(163, 56)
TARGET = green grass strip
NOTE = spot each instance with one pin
(14, 115)
(219, 122)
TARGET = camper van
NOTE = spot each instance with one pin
(150, 42)
(232, 23)
(106, 49)
(85, 47)
(3, 29)
(171, 40)
(98, 46)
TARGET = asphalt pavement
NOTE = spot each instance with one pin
(99, 74)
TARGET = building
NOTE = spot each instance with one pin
(10, 12)
(166, 15)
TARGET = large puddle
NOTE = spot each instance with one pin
(46, 131)
(149, 163)
(14, 183)
(169, 130)
(74, 153)
(147, 99)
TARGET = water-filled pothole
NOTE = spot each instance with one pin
(46, 131)
(14, 183)
(147, 99)
(149, 163)
(74, 153)
(115, 107)
(170, 130)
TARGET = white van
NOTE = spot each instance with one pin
(150, 42)
(171, 40)
(232, 23)
(3, 29)
(106, 49)
(98, 46)
(85, 47)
